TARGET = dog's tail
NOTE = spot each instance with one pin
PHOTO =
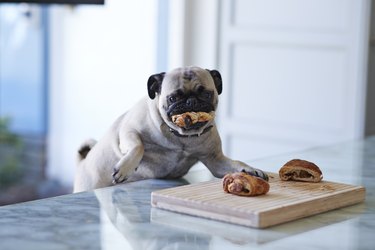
(85, 148)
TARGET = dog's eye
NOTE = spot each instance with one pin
(200, 89)
(172, 99)
(207, 95)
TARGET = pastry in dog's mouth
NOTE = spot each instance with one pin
(189, 120)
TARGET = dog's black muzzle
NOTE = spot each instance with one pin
(190, 104)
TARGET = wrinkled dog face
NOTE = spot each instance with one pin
(183, 90)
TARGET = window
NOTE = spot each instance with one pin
(23, 104)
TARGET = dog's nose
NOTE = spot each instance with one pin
(191, 102)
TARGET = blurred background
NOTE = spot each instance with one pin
(296, 74)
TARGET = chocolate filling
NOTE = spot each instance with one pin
(299, 174)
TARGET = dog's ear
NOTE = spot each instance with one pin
(217, 80)
(154, 84)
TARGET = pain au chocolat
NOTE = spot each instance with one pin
(181, 120)
(243, 184)
(300, 170)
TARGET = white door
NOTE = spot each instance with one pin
(294, 74)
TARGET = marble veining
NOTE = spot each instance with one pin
(121, 217)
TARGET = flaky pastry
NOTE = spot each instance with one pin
(300, 170)
(244, 184)
(190, 118)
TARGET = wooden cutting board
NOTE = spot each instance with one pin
(286, 201)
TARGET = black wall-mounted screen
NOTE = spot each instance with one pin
(55, 1)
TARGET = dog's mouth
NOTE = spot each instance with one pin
(192, 120)
(189, 105)
(189, 113)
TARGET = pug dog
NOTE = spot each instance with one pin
(162, 136)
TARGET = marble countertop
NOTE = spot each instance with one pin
(121, 217)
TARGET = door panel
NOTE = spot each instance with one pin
(306, 15)
(267, 76)
(293, 73)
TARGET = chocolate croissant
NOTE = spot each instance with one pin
(244, 184)
(189, 118)
(300, 170)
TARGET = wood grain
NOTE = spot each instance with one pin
(286, 201)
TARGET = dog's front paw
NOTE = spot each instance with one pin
(118, 176)
(256, 172)
(121, 175)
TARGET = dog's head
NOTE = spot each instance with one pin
(187, 98)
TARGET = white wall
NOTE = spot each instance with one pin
(193, 27)
(101, 58)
